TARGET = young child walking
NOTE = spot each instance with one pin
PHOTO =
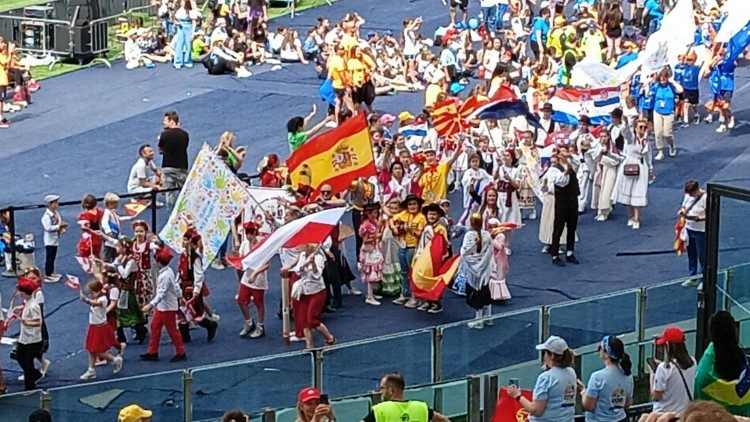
(371, 258)
(100, 336)
(253, 286)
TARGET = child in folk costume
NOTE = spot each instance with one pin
(498, 287)
(253, 286)
(110, 225)
(477, 258)
(192, 283)
(129, 312)
(487, 211)
(391, 283)
(289, 258)
(527, 174)
(371, 257)
(433, 214)
(311, 294)
(605, 176)
(35, 276)
(474, 180)
(90, 220)
(100, 337)
(142, 249)
(547, 222)
(507, 187)
(166, 303)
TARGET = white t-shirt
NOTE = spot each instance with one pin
(668, 381)
(410, 43)
(38, 296)
(98, 314)
(140, 170)
(30, 335)
(261, 281)
(698, 208)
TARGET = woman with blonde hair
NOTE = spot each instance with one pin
(310, 406)
(233, 157)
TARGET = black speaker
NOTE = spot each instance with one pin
(88, 9)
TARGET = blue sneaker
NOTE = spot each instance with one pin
(189, 65)
(149, 65)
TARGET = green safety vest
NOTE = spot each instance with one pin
(565, 73)
(401, 411)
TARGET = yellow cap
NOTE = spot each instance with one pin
(133, 413)
(405, 115)
(560, 21)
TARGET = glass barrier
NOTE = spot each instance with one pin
(251, 385)
(448, 398)
(17, 407)
(587, 321)
(526, 373)
(354, 368)
(671, 303)
(509, 340)
(738, 283)
(161, 392)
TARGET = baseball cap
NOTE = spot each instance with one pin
(51, 198)
(307, 394)
(671, 335)
(553, 344)
(405, 115)
(133, 413)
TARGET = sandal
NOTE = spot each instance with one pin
(330, 342)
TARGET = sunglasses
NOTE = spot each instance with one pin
(326, 192)
(642, 126)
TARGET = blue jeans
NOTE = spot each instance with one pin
(695, 250)
(493, 16)
(405, 257)
(183, 47)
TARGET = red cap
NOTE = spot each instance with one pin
(27, 285)
(251, 227)
(671, 335)
(192, 235)
(163, 255)
(307, 394)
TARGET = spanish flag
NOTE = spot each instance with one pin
(431, 272)
(335, 157)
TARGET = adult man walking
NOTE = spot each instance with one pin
(395, 408)
(566, 209)
(173, 145)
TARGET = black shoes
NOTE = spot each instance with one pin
(572, 259)
(556, 260)
(211, 328)
(150, 356)
(178, 358)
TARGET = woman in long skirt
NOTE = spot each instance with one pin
(391, 284)
(476, 253)
(605, 177)
(631, 187)
(498, 287)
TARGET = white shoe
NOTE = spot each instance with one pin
(659, 156)
(545, 249)
(117, 365)
(600, 217)
(54, 278)
(411, 304)
(709, 119)
(507, 251)
(218, 265)
(258, 332)
(214, 317)
(247, 328)
(21, 377)
(331, 124)
(242, 72)
(731, 123)
(45, 367)
(672, 151)
(631, 222)
(423, 306)
(532, 216)
(294, 338)
(88, 375)
(355, 292)
(636, 225)
(721, 128)
(377, 297)
(691, 282)
(400, 301)
(478, 325)
(372, 301)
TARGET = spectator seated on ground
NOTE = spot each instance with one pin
(221, 60)
(154, 47)
(199, 47)
(291, 48)
(134, 57)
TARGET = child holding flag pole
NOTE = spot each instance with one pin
(100, 336)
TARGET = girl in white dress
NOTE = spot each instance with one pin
(474, 180)
(507, 197)
(632, 190)
(605, 176)
(498, 287)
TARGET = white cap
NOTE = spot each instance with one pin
(553, 344)
(51, 198)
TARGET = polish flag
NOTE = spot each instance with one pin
(313, 228)
(72, 282)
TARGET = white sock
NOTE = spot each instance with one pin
(487, 310)
(260, 325)
(249, 321)
(568, 253)
(479, 314)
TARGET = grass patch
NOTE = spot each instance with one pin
(6, 5)
(115, 47)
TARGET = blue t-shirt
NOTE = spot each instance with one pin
(539, 25)
(726, 77)
(611, 388)
(679, 72)
(664, 98)
(558, 387)
(652, 6)
(691, 76)
(625, 59)
(714, 81)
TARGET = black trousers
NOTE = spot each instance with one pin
(49, 259)
(26, 353)
(356, 222)
(566, 215)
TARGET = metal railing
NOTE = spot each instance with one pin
(432, 359)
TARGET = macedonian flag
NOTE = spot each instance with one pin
(335, 157)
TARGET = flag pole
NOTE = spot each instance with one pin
(285, 302)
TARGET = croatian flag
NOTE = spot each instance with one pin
(503, 105)
(313, 228)
(414, 134)
(571, 103)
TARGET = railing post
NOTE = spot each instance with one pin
(317, 356)
(269, 415)
(187, 395)
(490, 396)
(153, 210)
(437, 354)
(641, 323)
(728, 279)
(45, 402)
(473, 405)
(544, 326)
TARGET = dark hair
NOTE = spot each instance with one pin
(88, 202)
(723, 334)
(678, 353)
(143, 148)
(691, 186)
(173, 116)
(561, 361)
(234, 415)
(394, 164)
(295, 124)
(618, 349)
(126, 243)
(40, 415)
(395, 380)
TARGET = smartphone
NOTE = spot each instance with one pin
(652, 364)
(324, 399)
(514, 382)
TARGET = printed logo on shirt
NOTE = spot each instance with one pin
(569, 395)
(618, 399)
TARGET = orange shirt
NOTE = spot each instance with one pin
(4, 81)
(360, 69)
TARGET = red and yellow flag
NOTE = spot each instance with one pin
(335, 157)
(446, 119)
(430, 272)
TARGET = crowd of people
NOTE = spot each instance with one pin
(505, 171)
(15, 76)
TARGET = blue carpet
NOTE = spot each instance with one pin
(82, 136)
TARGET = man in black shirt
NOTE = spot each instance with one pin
(173, 145)
(567, 190)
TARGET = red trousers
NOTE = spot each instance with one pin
(310, 309)
(168, 320)
(299, 319)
